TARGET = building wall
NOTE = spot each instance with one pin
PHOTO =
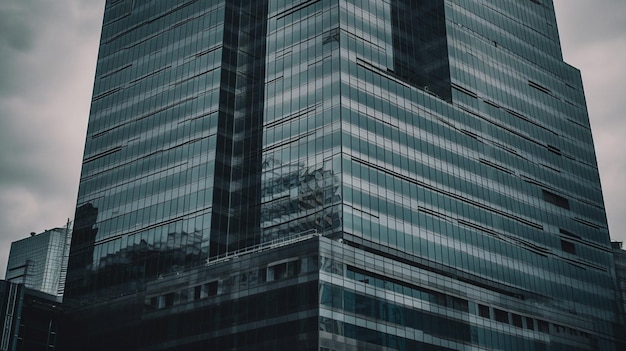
(265, 299)
(148, 173)
(444, 143)
(29, 319)
(40, 261)
(620, 272)
(171, 169)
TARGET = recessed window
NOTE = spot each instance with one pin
(555, 199)
(501, 316)
(169, 300)
(516, 319)
(457, 303)
(568, 247)
(483, 311)
(283, 270)
(212, 288)
(543, 326)
(568, 233)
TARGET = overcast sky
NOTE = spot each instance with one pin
(48, 50)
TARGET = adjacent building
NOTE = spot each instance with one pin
(338, 175)
(39, 262)
(29, 319)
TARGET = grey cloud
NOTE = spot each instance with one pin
(593, 36)
(591, 21)
(15, 34)
(48, 52)
(16, 38)
(26, 25)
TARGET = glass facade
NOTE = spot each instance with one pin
(437, 153)
(171, 169)
(40, 261)
(620, 272)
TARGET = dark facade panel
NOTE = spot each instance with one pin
(30, 319)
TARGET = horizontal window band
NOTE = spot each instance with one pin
(452, 195)
(295, 8)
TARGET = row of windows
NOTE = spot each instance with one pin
(368, 182)
(519, 153)
(474, 53)
(404, 208)
(365, 335)
(528, 322)
(370, 176)
(429, 323)
(155, 188)
(421, 292)
(121, 35)
(564, 116)
(400, 287)
(473, 174)
(525, 271)
(539, 50)
(272, 272)
(139, 109)
(153, 165)
(457, 303)
(526, 145)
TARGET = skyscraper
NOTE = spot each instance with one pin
(40, 261)
(338, 175)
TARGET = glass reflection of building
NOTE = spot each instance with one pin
(338, 175)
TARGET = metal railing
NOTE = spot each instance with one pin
(276, 243)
